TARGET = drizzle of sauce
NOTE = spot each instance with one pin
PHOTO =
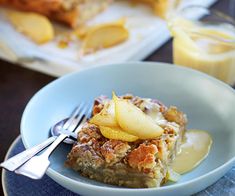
(194, 150)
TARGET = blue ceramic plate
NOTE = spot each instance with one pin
(208, 103)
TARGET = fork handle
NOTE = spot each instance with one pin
(53, 146)
(36, 167)
(19, 159)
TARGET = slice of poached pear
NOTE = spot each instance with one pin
(117, 133)
(106, 117)
(134, 121)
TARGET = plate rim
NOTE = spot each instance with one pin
(4, 187)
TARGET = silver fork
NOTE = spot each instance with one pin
(16, 161)
(36, 167)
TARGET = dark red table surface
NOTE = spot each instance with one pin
(18, 85)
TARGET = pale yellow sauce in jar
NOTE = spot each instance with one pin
(207, 48)
(194, 150)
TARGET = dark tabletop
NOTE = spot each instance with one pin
(18, 85)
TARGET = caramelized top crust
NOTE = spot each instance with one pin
(143, 158)
(45, 7)
(114, 150)
(90, 132)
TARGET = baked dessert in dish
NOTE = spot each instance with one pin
(70, 12)
(78, 12)
(31, 18)
(119, 155)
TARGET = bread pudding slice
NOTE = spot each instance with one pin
(137, 164)
(70, 12)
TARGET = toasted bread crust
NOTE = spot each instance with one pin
(70, 12)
